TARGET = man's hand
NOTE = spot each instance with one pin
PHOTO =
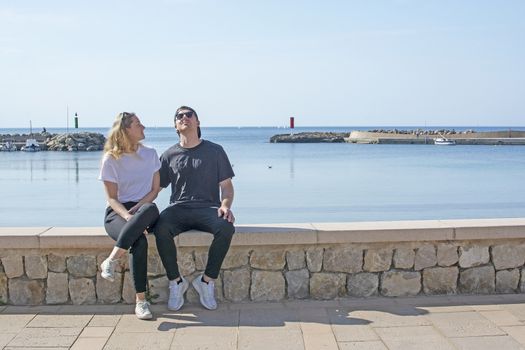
(226, 214)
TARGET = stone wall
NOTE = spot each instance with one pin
(272, 263)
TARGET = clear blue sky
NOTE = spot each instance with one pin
(244, 63)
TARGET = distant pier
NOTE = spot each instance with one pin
(72, 142)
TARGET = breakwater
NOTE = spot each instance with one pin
(417, 136)
(72, 142)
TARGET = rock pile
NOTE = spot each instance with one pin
(72, 142)
(310, 137)
(421, 132)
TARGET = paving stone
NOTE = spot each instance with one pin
(82, 291)
(267, 286)
(13, 323)
(295, 260)
(96, 332)
(344, 259)
(213, 338)
(59, 321)
(104, 320)
(49, 337)
(26, 292)
(404, 258)
(440, 280)
(327, 285)
(314, 259)
(316, 329)
(425, 257)
(362, 284)
(363, 345)
(477, 280)
(507, 281)
(464, 324)
(13, 266)
(447, 254)
(406, 338)
(516, 332)
(268, 259)
(146, 340)
(36, 266)
(501, 318)
(472, 256)
(486, 343)
(264, 339)
(347, 328)
(89, 344)
(400, 283)
(5, 338)
(57, 291)
(377, 260)
(237, 284)
(298, 282)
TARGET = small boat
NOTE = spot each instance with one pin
(31, 146)
(8, 146)
(444, 141)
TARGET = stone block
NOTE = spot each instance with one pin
(508, 256)
(362, 284)
(128, 289)
(295, 260)
(158, 289)
(267, 285)
(447, 254)
(237, 284)
(377, 260)
(472, 256)
(507, 281)
(425, 257)
(298, 282)
(56, 262)
(109, 292)
(314, 259)
(404, 258)
(186, 263)
(13, 266)
(201, 259)
(82, 266)
(522, 281)
(3, 288)
(327, 285)
(155, 267)
(236, 258)
(268, 259)
(345, 259)
(477, 280)
(440, 280)
(82, 290)
(400, 283)
(57, 291)
(26, 292)
(36, 266)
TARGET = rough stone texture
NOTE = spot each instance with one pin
(447, 254)
(128, 290)
(298, 283)
(237, 284)
(268, 259)
(295, 260)
(425, 257)
(362, 284)
(13, 266)
(477, 280)
(3, 288)
(158, 289)
(236, 258)
(109, 292)
(404, 258)
(155, 267)
(314, 259)
(186, 263)
(82, 266)
(440, 280)
(267, 285)
(26, 292)
(56, 263)
(507, 281)
(346, 259)
(36, 266)
(82, 290)
(507, 256)
(522, 281)
(473, 256)
(377, 260)
(400, 283)
(57, 288)
(1, 267)
(327, 285)
(201, 259)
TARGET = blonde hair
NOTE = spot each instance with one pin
(118, 141)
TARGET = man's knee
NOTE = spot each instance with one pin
(226, 229)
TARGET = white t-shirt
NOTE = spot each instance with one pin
(132, 172)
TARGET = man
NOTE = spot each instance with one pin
(196, 170)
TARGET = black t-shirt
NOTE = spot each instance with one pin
(195, 174)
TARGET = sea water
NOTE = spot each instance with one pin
(287, 183)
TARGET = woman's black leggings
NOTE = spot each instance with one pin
(130, 236)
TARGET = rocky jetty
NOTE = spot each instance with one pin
(72, 142)
(310, 137)
(421, 132)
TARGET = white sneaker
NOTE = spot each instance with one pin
(177, 290)
(108, 269)
(206, 292)
(142, 310)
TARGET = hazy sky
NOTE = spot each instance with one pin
(244, 63)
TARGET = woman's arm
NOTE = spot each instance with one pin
(150, 197)
(111, 190)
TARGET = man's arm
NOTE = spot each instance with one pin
(226, 200)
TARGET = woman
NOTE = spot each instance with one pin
(130, 172)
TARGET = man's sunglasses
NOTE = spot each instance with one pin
(188, 114)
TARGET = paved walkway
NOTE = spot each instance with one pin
(453, 322)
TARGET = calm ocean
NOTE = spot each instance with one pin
(287, 183)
